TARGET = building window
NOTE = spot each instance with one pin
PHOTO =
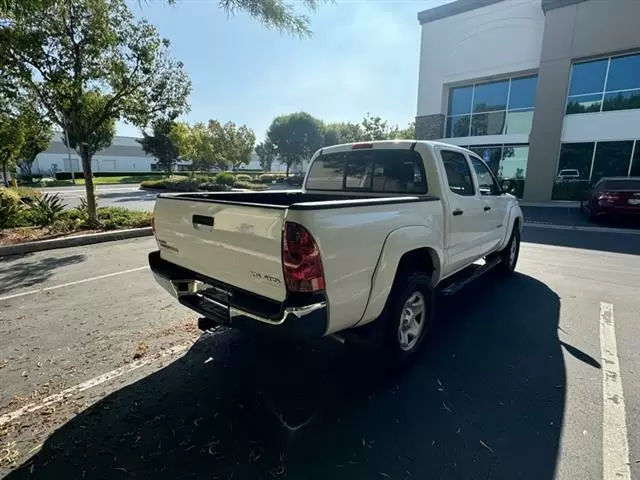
(605, 85)
(581, 165)
(494, 108)
(507, 162)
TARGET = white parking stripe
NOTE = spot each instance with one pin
(64, 285)
(105, 377)
(615, 460)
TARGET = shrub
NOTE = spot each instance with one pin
(9, 196)
(10, 214)
(243, 177)
(28, 194)
(213, 187)
(225, 178)
(47, 209)
(270, 177)
(178, 184)
(250, 185)
(153, 184)
(112, 218)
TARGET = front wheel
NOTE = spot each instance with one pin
(509, 254)
(408, 317)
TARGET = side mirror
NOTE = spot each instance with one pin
(508, 186)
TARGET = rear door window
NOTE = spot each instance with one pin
(376, 171)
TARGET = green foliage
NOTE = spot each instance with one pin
(9, 196)
(242, 177)
(161, 144)
(12, 137)
(112, 218)
(37, 135)
(27, 194)
(337, 133)
(10, 214)
(249, 185)
(270, 177)
(225, 178)
(267, 154)
(91, 62)
(295, 137)
(47, 209)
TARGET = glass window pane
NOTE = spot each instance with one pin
(458, 126)
(519, 122)
(327, 173)
(588, 77)
(486, 183)
(460, 100)
(491, 154)
(523, 92)
(621, 100)
(571, 185)
(584, 104)
(513, 164)
(490, 96)
(488, 123)
(458, 173)
(611, 160)
(635, 167)
(624, 73)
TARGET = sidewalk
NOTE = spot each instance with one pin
(570, 216)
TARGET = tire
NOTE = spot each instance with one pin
(509, 254)
(404, 332)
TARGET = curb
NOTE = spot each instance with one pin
(577, 228)
(64, 242)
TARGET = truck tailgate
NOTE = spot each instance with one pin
(237, 244)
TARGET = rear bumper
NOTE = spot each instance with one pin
(296, 322)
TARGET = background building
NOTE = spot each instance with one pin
(125, 155)
(535, 87)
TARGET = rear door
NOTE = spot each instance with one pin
(465, 214)
(237, 244)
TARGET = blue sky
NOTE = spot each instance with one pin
(363, 57)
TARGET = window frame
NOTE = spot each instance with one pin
(468, 165)
(604, 91)
(496, 185)
(471, 113)
(418, 161)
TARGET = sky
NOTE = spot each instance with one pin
(363, 57)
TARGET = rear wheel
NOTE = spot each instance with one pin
(408, 317)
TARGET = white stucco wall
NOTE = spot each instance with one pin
(496, 40)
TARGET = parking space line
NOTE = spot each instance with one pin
(615, 459)
(105, 377)
(69, 284)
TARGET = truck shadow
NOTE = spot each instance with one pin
(486, 400)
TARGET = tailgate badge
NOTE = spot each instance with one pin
(263, 277)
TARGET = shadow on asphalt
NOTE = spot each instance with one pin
(29, 271)
(614, 242)
(486, 400)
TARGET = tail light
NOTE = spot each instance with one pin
(153, 225)
(608, 198)
(360, 146)
(302, 266)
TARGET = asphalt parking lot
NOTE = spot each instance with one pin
(103, 375)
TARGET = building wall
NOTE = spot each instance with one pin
(501, 38)
(576, 30)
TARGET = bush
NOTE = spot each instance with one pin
(213, 187)
(112, 218)
(9, 196)
(28, 194)
(243, 177)
(250, 185)
(10, 214)
(178, 184)
(153, 184)
(46, 209)
(270, 177)
(225, 178)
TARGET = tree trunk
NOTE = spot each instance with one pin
(5, 174)
(288, 165)
(92, 211)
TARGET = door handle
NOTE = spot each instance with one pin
(457, 212)
(487, 208)
(202, 222)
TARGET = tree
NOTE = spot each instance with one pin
(37, 137)
(276, 14)
(295, 137)
(337, 133)
(266, 154)
(11, 142)
(237, 144)
(90, 62)
(161, 144)
(408, 133)
(375, 128)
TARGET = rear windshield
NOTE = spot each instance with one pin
(622, 184)
(379, 171)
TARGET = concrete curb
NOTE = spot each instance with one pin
(578, 228)
(76, 241)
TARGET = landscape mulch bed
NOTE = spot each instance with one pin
(11, 236)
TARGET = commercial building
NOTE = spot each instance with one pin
(539, 88)
(125, 155)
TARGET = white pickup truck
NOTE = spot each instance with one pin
(358, 253)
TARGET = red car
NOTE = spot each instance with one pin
(613, 197)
